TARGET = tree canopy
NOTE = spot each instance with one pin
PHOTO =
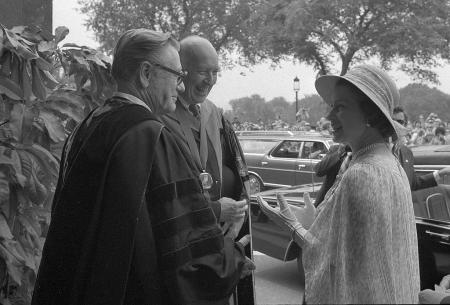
(255, 108)
(222, 22)
(323, 32)
(420, 99)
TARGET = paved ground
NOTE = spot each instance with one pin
(276, 282)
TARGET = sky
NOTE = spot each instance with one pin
(237, 82)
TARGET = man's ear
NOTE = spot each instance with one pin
(145, 70)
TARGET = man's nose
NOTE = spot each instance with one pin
(180, 87)
(210, 78)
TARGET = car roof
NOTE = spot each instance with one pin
(431, 154)
(281, 135)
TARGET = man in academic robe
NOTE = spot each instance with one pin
(130, 223)
(212, 141)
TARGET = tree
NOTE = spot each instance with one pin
(320, 32)
(420, 99)
(221, 22)
(251, 109)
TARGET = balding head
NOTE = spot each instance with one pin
(194, 49)
(199, 58)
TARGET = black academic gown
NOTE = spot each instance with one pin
(223, 151)
(130, 224)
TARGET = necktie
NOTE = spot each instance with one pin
(195, 110)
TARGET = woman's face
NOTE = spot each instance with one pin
(346, 116)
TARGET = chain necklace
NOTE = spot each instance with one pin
(367, 148)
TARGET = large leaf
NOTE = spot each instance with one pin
(26, 82)
(10, 88)
(5, 232)
(60, 33)
(19, 45)
(8, 39)
(38, 85)
(49, 80)
(43, 64)
(16, 120)
(75, 113)
(94, 58)
(13, 265)
(2, 47)
(46, 46)
(5, 61)
(54, 126)
(69, 96)
(16, 63)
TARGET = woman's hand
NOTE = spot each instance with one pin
(307, 214)
(289, 217)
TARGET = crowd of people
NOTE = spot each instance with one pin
(426, 130)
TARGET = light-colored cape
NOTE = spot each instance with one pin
(362, 246)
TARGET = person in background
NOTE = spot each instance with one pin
(130, 224)
(210, 137)
(406, 159)
(351, 253)
(439, 136)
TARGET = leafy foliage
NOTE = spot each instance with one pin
(45, 90)
(222, 22)
(413, 33)
(420, 99)
(256, 108)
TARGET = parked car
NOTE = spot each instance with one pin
(282, 158)
(431, 207)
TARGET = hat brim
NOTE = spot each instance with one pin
(325, 86)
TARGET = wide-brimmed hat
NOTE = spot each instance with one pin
(374, 83)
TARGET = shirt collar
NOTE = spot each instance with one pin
(186, 104)
(132, 99)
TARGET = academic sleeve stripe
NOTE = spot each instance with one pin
(195, 219)
(196, 249)
(177, 189)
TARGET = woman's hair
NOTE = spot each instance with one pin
(136, 46)
(375, 117)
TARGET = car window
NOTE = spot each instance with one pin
(432, 203)
(287, 149)
(313, 150)
(257, 146)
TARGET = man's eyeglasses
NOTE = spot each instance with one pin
(403, 123)
(180, 74)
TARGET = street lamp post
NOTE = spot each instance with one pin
(296, 89)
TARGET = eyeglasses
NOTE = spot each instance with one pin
(401, 122)
(180, 74)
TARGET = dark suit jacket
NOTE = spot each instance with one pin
(406, 158)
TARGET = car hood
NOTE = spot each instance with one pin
(293, 194)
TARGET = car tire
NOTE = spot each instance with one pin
(256, 184)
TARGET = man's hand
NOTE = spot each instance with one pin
(232, 229)
(444, 175)
(249, 266)
(232, 211)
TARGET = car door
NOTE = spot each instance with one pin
(432, 210)
(279, 166)
(311, 154)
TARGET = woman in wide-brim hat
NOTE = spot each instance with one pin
(362, 244)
